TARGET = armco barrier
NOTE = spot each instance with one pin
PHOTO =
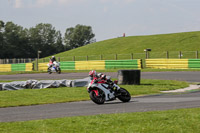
(96, 65)
(194, 63)
(5, 67)
(90, 65)
(29, 67)
(42, 66)
(68, 65)
(16, 67)
(115, 64)
(167, 63)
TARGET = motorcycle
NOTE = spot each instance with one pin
(106, 90)
(54, 67)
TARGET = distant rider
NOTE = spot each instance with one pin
(52, 59)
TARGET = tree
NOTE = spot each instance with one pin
(1, 38)
(78, 36)
(58, 42)
(14, 37)
(45, 38)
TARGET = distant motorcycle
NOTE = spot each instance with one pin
(101, 91)
(54, 67)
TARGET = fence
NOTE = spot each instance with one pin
(151, 55)
(16, 61)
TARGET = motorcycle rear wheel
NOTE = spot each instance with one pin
(124, 95)
(100, 99)
(49, 70)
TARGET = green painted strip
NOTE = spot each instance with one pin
(67, 65)
(18, 67)
(193, 63)
(112, 64)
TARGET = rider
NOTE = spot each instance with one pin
(52, 59)
(93, 74)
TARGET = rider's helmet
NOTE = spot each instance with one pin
(99, 75)
(53, 57)
(102, 76)
(92, 73)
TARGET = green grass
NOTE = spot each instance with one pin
(68, 94)
(185, 42)
(173, 121)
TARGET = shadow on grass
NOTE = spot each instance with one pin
(147, 84)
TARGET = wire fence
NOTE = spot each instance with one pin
(16, 61)
(144, 55)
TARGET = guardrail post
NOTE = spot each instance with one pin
(101, 57)
(73, 58)
(180, 54)
(146, 52)
(197, 54)
(87, 57)
(167, 54)
(36, 64)
(33, 66)
(132, 56)
(115, 56)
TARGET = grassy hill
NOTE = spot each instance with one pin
(187, 41)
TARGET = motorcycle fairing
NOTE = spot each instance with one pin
(108, 94)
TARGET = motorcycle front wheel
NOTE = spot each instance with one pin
(58, 70)
(123, 95)
(98, 99)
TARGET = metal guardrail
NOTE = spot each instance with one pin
(151, 55)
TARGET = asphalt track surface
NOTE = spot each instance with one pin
(182, 76)
(137, 104)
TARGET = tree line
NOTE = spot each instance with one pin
(19, 42)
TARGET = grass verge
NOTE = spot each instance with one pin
(172, 121)
(65, 94)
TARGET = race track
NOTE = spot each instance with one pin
(137, 104)
(182, 76)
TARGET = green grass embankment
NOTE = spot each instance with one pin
(187, 41)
